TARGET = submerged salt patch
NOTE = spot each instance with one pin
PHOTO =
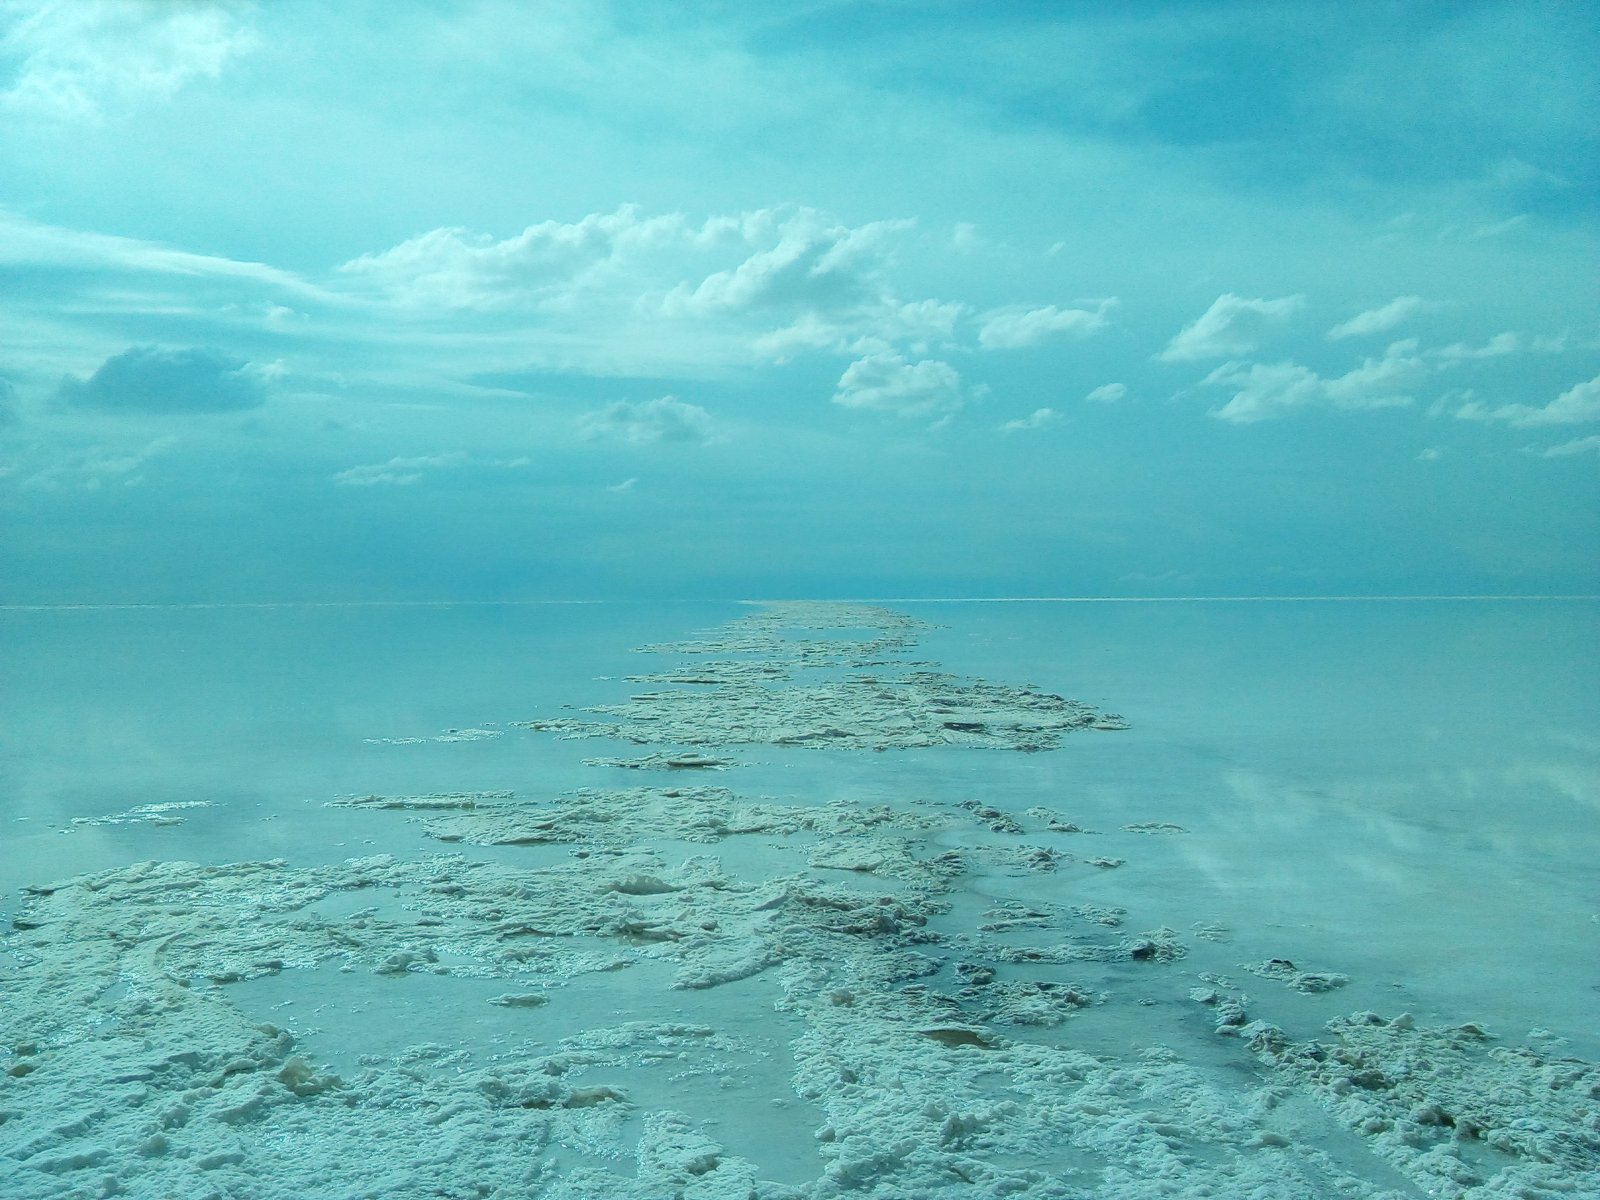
(449, 735)
(149, 814)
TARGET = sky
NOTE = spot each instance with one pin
(588, 300)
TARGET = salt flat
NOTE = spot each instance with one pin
(825, 900)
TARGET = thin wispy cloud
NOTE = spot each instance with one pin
(1013, 329)
(1579, 403)
(1263, 391)
(398, 471)
(1378, 320)
(1583, 445)
(1040, 418)
(1231, 327)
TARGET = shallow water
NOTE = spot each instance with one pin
(1404, 793)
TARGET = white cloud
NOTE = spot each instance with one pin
(24, 242)
(917, 325)
(764, 284)
(627, 485)
(1579, 403)
(801, 261)
(1108, 393)
(1377, 320)
(1232, 326)
(775, 264)
(1498, 346)
(73, 59)
(1430, 454)
(890, 383)
(1581, 445)
(1014, 328)
(398, 472)
(455, 268)
(1038, 419)
(666, 419)
(1264, 391)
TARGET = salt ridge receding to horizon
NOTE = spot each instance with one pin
(896, 963)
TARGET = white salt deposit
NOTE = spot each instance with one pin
(152, 814)
(687, 990)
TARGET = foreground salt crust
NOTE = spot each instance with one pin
(930, 1044)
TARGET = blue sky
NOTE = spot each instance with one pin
(575, 299)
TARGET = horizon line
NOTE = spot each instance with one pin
(1202, 599)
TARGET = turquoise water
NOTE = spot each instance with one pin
(1406, 793)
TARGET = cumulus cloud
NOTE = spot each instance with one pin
(397, 472)
(800, 261)
(1038, 419)
(72, 59)
(666, 419)
(455, 268)
(1108, 393)
(1579, 403)
(1231, 327)
(782, 263)
(889, 383)
(766, 283)
(150, 379)
(1263, 391)
(1014, 328)
(1377, 320)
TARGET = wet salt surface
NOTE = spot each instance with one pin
(914, 979)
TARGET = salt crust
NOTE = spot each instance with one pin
(146, 814)
(937, 1050)
(755, 700)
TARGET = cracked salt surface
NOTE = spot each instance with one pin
(891, 974)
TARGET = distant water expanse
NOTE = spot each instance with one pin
(802, 899)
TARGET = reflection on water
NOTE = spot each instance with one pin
(1317, 810)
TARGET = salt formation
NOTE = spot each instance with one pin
(731, 702)
(648, 952)
(448, 735)
(146, 814)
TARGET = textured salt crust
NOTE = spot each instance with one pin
(899, 705)
(686, 761)
(936, 1046)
